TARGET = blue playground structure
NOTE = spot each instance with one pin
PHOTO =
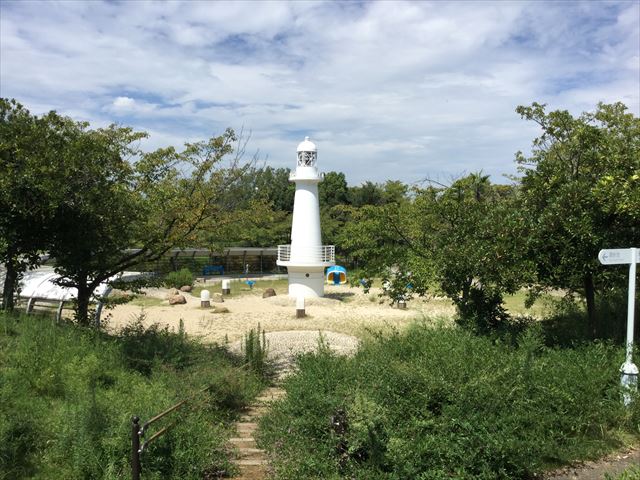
(337, 275)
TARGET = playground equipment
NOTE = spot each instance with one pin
(337, 275)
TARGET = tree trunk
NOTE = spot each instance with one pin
(82, 305)
(9, 286)
(589, 293)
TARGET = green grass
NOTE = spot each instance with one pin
(631, 473)
(435, 403)
(515, 305)
(240, 289)
(146, 301)
(67, 395)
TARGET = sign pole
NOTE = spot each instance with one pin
(629, 371)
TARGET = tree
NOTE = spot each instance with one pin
(368, 193)
(580, 193)
(463, 240)
(117, 197)
(333, 190)
(29, 192)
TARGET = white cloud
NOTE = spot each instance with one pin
(124, 103)
(388, 89)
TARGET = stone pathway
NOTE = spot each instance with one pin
(252, 461)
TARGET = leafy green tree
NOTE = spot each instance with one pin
(394, 191)
(368, 193)
(113, 202)
(580, 193)
(272, 185)
(333, 190)
(29, 190)
(464, 240)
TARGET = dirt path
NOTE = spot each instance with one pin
(612, 465)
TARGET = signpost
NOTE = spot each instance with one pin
(619, 256)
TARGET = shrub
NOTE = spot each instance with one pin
(68, 393)
(179, 279)
(441, 403)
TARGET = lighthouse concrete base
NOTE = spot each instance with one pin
(306, 282)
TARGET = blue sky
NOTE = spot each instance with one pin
(387, 90)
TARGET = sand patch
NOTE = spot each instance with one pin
(344, 310)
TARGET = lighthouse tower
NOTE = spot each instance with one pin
(306, 257)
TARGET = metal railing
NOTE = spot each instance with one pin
(321, 253)
(138, 433)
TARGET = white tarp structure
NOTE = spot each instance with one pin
(40, 285)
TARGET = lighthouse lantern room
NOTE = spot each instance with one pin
(306, 257)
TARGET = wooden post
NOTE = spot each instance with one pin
(300, 313)
(135, 449)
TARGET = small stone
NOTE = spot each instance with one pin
(217, 309)
(269, 292)
(177, 300)
(186, 288)
(217, 298)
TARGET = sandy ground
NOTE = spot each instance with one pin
(344, 310)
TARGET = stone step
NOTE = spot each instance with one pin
(246, 426)
(251, 462)
(252, 472)
(246, 442)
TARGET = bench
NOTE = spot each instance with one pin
(213, 270)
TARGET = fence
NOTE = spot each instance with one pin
(138, 433)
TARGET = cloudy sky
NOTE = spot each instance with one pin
(387, 90)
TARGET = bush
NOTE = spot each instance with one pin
(441, 403)
(179, 279)
(67, 396)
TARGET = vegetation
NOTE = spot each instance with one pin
(179, 279)
(436, 403)
(98, 195)
(68, 394)
(255, 349)
(567, 213)
(239, 288)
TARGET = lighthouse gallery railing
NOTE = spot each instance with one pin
(322, 253)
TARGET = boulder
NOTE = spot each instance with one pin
(172, 293)
(269, 292)
(186, 288)
(217, 298)
(177, 300)
(217, 309)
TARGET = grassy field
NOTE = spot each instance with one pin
(434, 403)
(67, 396)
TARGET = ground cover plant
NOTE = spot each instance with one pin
(67, 395)
(435, 402)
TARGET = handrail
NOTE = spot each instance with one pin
(307, 254)
(138, 432)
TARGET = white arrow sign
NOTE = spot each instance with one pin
(629, 371)
(615, 256)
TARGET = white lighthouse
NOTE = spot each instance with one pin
(306, 257)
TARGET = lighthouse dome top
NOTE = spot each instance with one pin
(307, 146)
(307, 153)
